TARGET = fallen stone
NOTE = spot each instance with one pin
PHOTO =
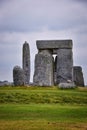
(66, 85)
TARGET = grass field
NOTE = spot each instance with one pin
(33, 108)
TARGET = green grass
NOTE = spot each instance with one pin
(27, 95)
(48, 112)
(33, 108)
(42, 117)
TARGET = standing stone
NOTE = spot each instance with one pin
(18, 76)
(78, 76)
(64, 65)
(26, 62)
(43, 75)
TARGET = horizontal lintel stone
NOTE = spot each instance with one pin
(54, 44)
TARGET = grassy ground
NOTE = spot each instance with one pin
(28, 95)
(47, 108)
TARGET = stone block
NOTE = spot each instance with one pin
(78, 76)
(64, 65)
(18, 76)
(26, 62)
(54, 44)
(43, 75)
(66, 85)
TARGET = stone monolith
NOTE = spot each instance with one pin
(18, 76)
(43, 75)
(26, 62)
(78, 76)
(64, 65)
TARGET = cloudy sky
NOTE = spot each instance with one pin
(31, 20)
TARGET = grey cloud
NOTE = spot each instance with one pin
(82, 1)
(3, 2)
(30, 16)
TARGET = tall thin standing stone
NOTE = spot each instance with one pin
(26, 62)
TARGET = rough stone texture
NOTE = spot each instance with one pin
(64, 65)
(18, 76)
(66, 85)
(78, 76)
(26, 62)
(54, 44)
(43, 75)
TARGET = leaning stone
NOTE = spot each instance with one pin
(78, 76)
(66, 85)
(18, 76)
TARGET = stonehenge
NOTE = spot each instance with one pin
(48, 74)
(53, 65)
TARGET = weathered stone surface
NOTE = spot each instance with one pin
(54, 44)
(64, 65)
(43, 75)
(18, 76)
(26, 62)
(78, 76)
(67, 85)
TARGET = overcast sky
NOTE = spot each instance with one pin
(31, 20)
